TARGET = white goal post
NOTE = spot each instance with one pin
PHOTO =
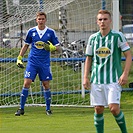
(16, 18)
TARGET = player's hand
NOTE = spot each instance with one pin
(49, 46)
(123, 79)
(19, 62)
(86, 83)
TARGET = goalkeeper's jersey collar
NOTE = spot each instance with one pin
(41, 32)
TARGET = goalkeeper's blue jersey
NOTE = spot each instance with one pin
(35, 38)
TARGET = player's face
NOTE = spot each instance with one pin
(104, 21)
(41, 20)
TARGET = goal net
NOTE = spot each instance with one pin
(72, 20)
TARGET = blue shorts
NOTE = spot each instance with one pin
(44, 72)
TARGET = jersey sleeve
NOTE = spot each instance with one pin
(89, 47)
(54, 39)
(28, 39)
(122, 43)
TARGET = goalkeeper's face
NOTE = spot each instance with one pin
(41, 20)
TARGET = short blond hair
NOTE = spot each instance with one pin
(104, 12)
(41, 13)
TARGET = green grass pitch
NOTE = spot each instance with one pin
(63, 120)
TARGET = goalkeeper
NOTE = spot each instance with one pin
(42, 40)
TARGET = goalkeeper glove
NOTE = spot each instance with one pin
(19, 62)
(49, 46)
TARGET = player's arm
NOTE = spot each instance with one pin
(124, 77)
(87, 69)
(20, 56)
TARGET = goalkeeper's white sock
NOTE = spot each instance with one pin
(47, 97)
(23, 97)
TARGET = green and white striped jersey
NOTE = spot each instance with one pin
(106, 54)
